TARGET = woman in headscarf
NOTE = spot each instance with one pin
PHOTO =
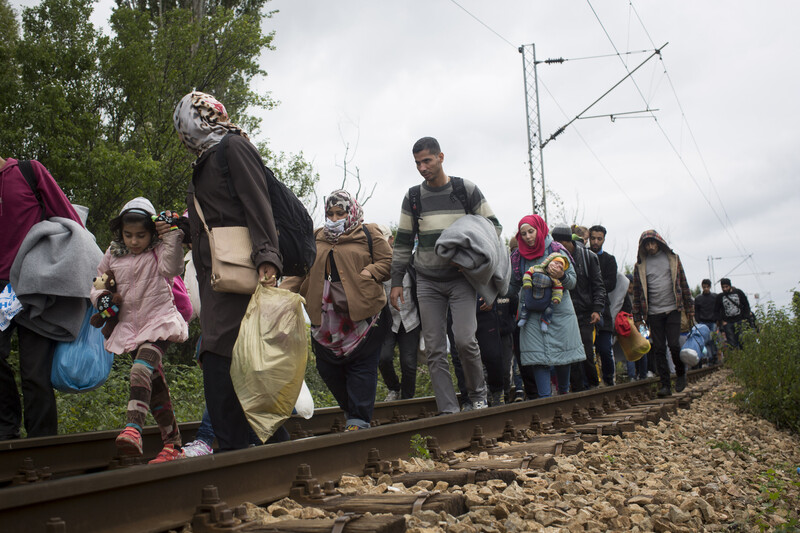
(346, 304)
(241, 199)
(560, 345)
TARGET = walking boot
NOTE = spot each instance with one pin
(664, 392)
(680, 383)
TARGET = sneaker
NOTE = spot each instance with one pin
(650, 374)
(474, 406)
(680, 383)
(352, 427)
(392, 396)
(129, 442)
(663, 392)
(496, 398)
(519, 396)
(169, 453)
(196, 448)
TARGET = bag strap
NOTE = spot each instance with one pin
(200, 212)
(26, 168)
(222, 161)
(459, 192)
(413, 199)
(369, 242)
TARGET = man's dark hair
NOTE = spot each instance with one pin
(598, 227)
(705, 282)
(725, 281)
(427, 143)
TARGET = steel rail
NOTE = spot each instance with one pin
(159, 497)
(78, 453)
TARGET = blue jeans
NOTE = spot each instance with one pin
(542, 375)
(603, 344)
(353, 383)
(638, 369)
(205, 433)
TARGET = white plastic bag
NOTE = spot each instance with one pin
(192, 287)
(305, 403)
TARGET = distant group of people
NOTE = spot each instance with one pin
(516, 321)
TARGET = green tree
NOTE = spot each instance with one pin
(97, 110)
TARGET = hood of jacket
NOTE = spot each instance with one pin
(651, 234)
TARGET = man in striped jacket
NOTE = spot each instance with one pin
(427, 210)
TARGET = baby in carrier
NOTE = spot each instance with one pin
(540, 292)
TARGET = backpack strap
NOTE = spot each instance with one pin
(26, 168)
(222, 161)
(460, 193)
(369, 241)
(413, 199)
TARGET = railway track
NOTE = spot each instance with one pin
(105, 498)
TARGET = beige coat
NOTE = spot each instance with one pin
(365, 294)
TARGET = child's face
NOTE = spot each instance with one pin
(136, 237)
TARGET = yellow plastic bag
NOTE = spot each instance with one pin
(634, 346)
(269, 358)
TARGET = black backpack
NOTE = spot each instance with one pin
(459, 193)
(295, 227)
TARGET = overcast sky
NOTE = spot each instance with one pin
(716, 174)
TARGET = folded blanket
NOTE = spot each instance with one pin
(472, 243)
(52, 275)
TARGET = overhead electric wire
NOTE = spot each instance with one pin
(685, 120)
(575, 128)
(483, 24)
(727, 227)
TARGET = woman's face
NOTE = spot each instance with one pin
(335, 213)
(528, 234)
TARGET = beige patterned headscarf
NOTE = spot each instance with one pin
(202, 121)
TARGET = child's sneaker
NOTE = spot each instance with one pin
(169, 453)
(196, 448)
(129, 442)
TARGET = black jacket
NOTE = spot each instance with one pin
(733, 306)
(589, 294)
(705, 307)
(608, 268)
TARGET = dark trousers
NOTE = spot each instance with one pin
(491, 346)
(665, 330)
(526, 372)
(407, 343)
(603, 344)
(732, 330)
(38, 398)
(353, 383)
(583, 374)
(227, 417)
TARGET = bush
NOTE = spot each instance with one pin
(105, 407)
(768, 367)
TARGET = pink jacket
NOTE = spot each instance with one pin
(148, 311)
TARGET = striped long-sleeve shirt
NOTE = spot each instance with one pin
(439, 208)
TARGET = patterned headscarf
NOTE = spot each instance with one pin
(537, 250)
(355, 214)
(202, 121)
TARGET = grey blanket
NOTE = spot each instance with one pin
(472, 243)
(52, 275)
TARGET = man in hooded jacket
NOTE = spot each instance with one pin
(660, 295)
